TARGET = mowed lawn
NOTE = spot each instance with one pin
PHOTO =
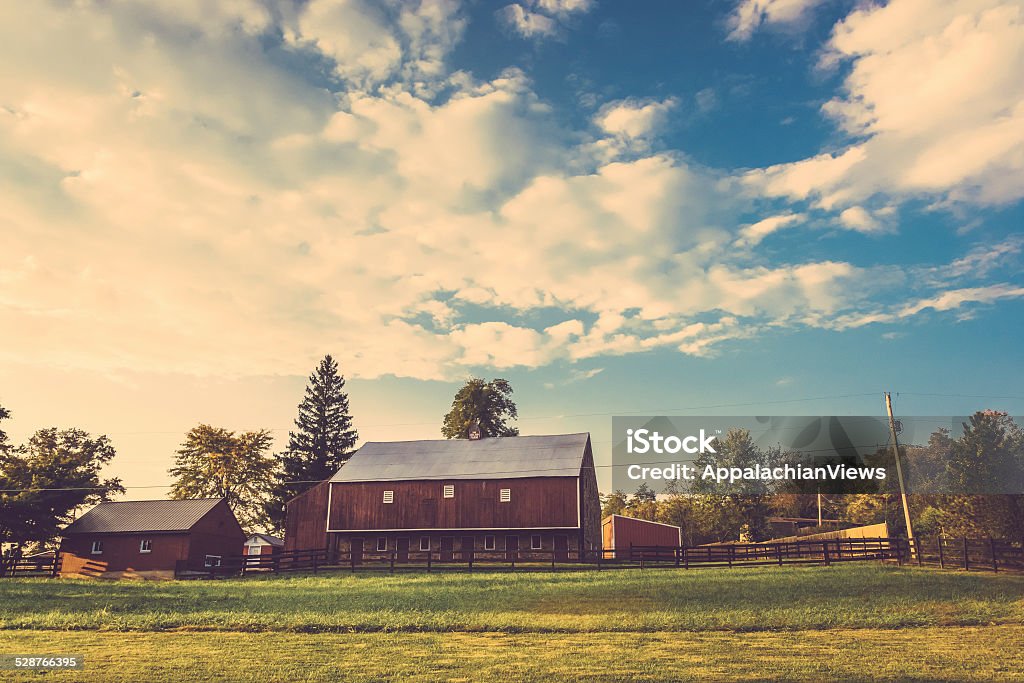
(863, 621)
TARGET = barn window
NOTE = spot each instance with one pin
(146, 545)
(382, 544)
(212, 561)
(389, 496)
(488, 542)
(97, 548)
(449, 490)
(535, 543)
(424, 543)
(505, 495)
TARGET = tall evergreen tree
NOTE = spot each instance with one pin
(323, 441)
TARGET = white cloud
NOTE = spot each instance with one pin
(188, 202)
(933, 98)
(749, 15)
(634, 118)
(541, 18)
(755, 232)
(858, 218)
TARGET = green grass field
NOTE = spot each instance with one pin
(862, 621)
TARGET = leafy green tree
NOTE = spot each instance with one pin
(44, 481)
(643, 504)
(215, 463)
(322, 442)
(728, 509)
(487, 404)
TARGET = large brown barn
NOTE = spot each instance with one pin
(495, 494)
(150, 538)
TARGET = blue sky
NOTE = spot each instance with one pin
(720, 206)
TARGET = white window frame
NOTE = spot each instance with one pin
(422, 539)
(448, 491)
(389, 497)
(212, 561)
(382, 541)
(505, 496)
(539, 545)
(97, 548)
(490, 543)
(146, 545)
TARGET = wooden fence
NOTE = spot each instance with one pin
(990, 555)
(29, 566)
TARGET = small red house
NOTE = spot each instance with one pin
(150, 538)
(262, 544)
(620, 533)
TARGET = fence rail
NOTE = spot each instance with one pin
(981, 554)
(947, 553)
(29, 566)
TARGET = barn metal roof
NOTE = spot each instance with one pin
(510, 457)
(142, 515)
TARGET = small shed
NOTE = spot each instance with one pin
(262, 544)
(620, 533)
(150, 538)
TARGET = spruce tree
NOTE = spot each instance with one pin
(322, 442)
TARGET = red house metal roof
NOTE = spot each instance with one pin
(142, 515)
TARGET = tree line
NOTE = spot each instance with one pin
(968, 486)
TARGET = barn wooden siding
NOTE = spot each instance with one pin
(590, 503)
(306, 519)
(541, 502)
(620, 532)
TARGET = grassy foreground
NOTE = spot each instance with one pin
(862, 595)
(856, 621)
(920, 654)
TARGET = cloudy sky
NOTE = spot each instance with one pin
(714, 207)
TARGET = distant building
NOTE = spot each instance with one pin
(262, 544)
(508, 494)
(620, 534)
(150, 538)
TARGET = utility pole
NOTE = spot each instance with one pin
(899, 471)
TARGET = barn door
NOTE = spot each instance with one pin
(467, 548)
(357, 551)
(403, 550)
(561, 549)
(511, 548)
(447, 548)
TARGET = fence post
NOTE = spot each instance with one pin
(600, 558)
(967, 563)
(995, 563)
(430, 557)
(917, 551)
(392, 568)
(276, 560)
(677, 557)
(778, 553)
(56, 565)
(732, 554)
(824, 552)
